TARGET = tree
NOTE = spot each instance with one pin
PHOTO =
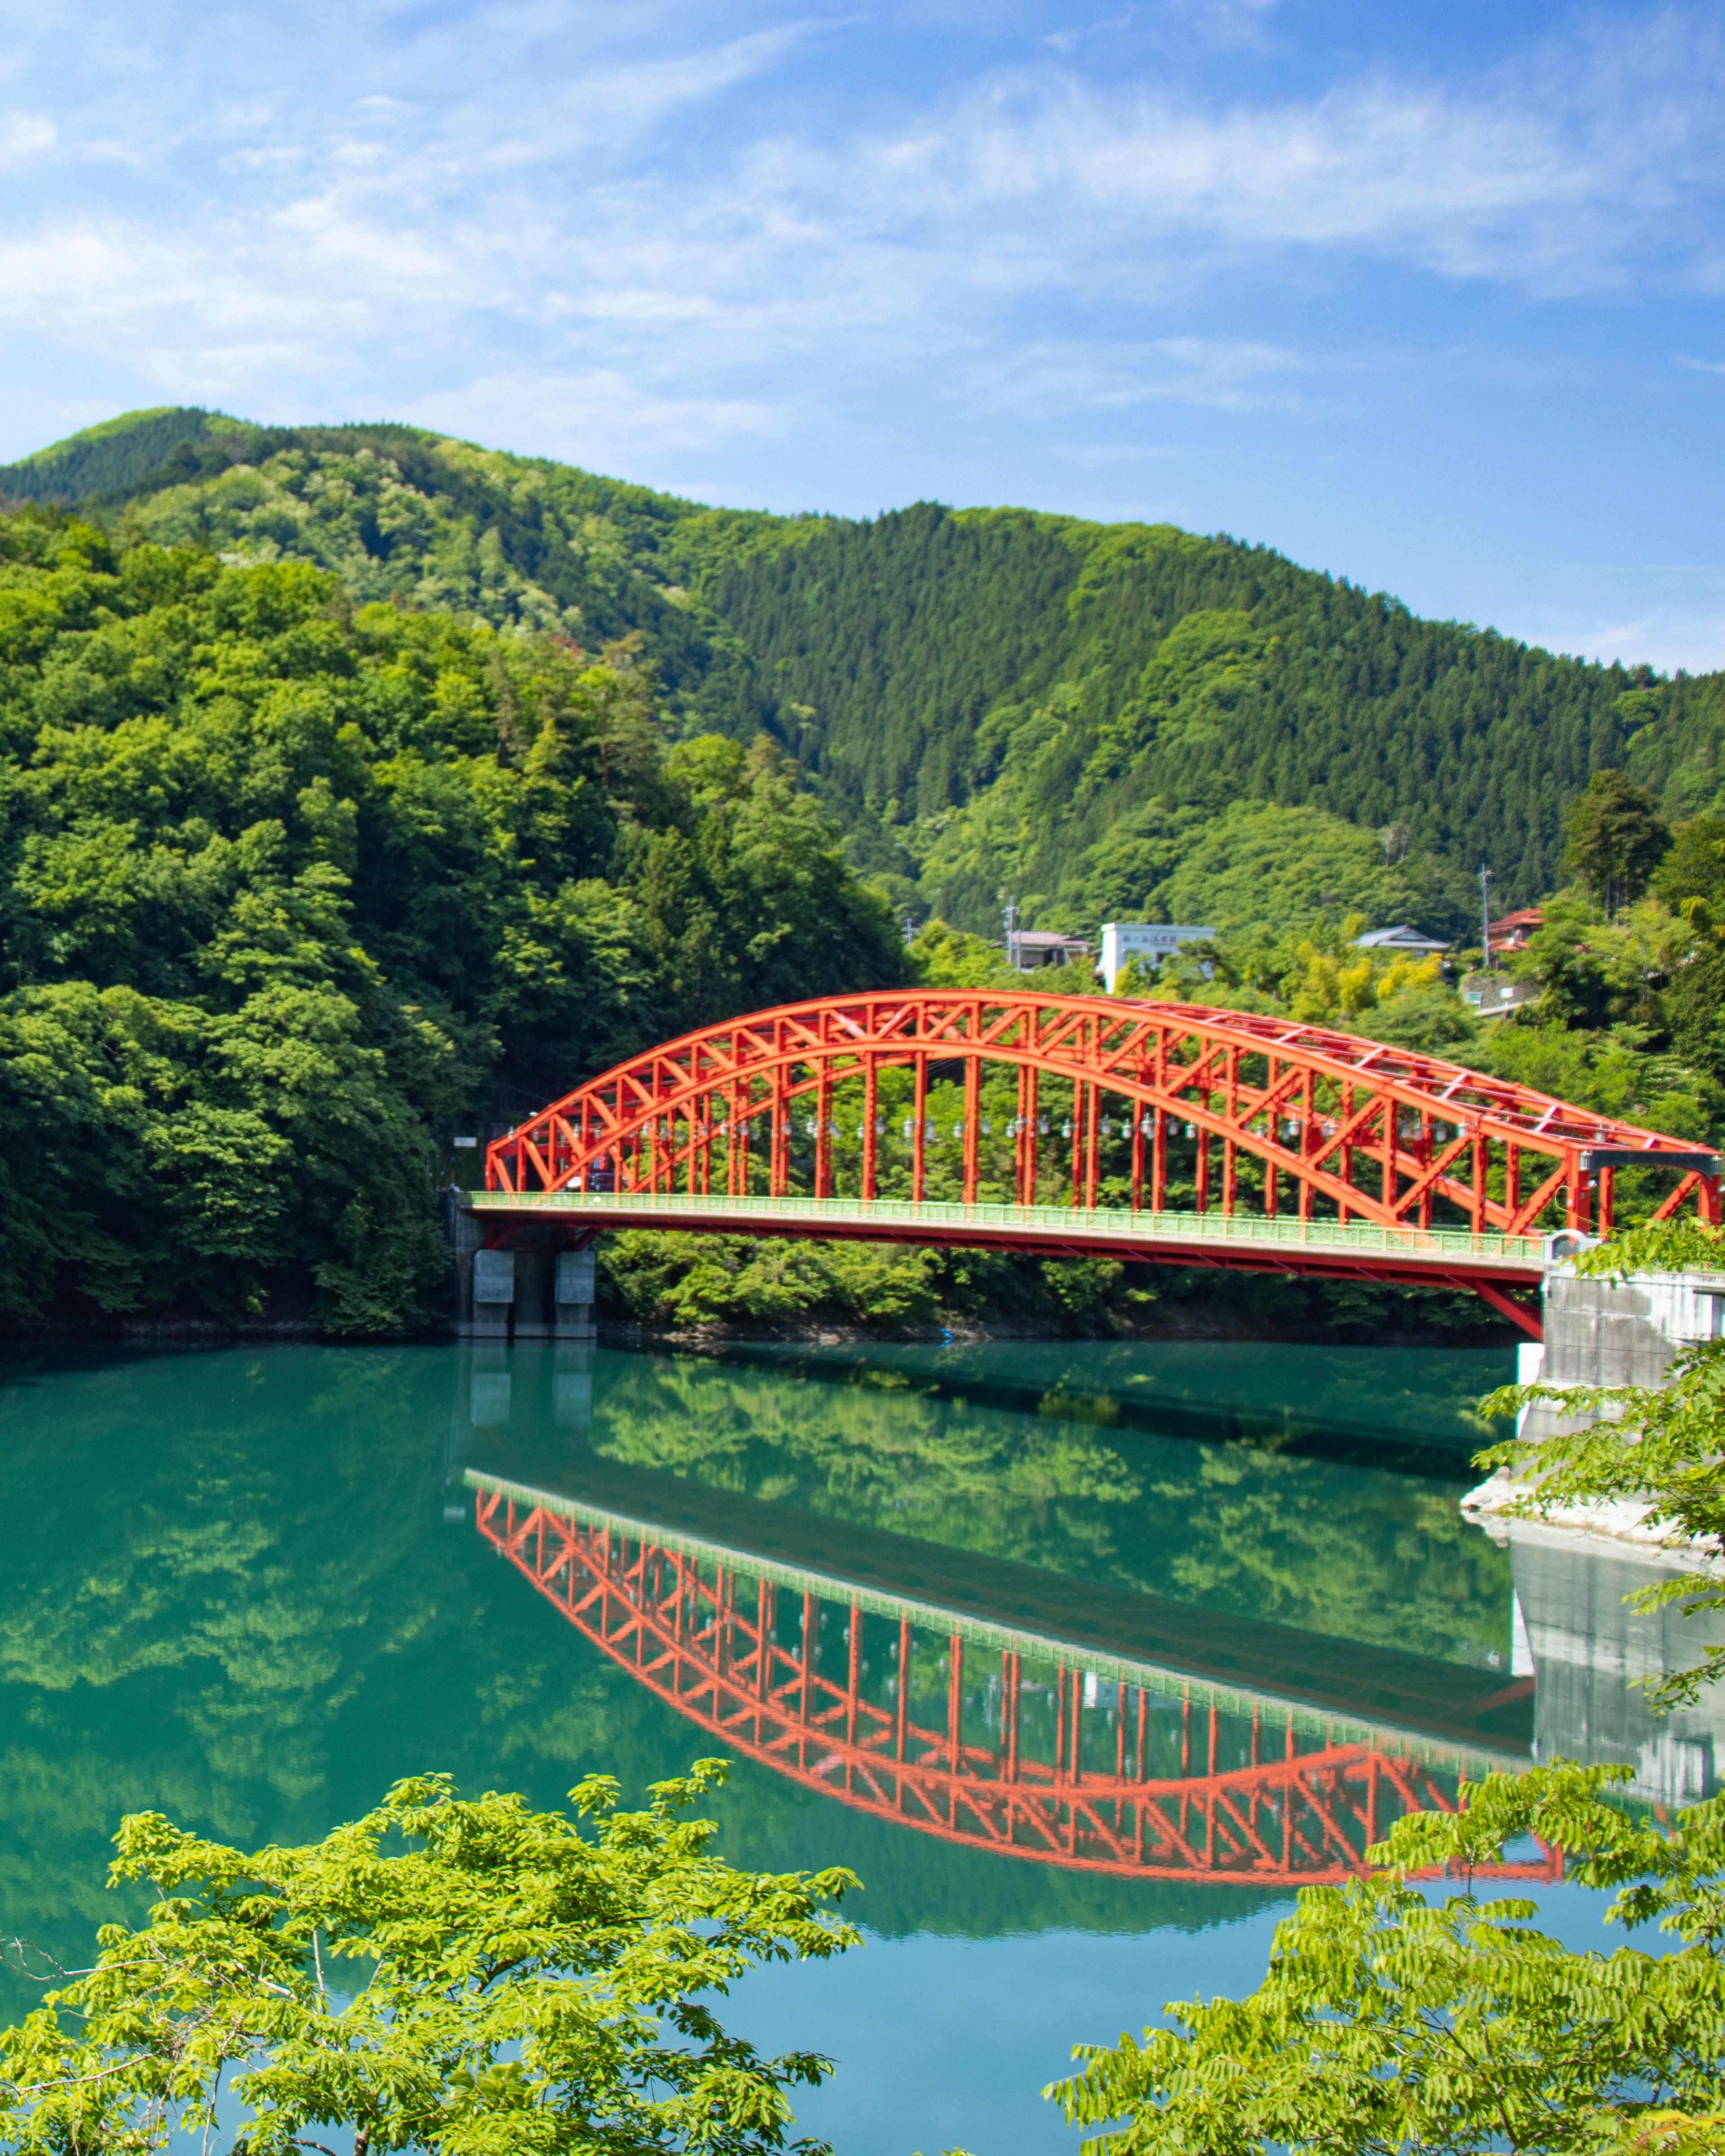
(1616, 839)
(1387, 2024)
(287, 886)
(531, 1989)
(1693, 868)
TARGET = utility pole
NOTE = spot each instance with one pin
(1011, 933)
(1485, 918)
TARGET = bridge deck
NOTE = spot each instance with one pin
(1240, 1240)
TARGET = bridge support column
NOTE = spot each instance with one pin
(869, 1115)
(972, 1132)
(1606, 1333)
(493, 1296)
(919, 1132)
(573, 1288)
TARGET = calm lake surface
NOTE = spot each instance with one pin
(1083, 1656)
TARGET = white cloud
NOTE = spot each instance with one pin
(546, 233)
(22, 134)
(1222, 373)
(619, 422)
(1667, 637)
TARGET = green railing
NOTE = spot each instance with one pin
(1438, 1247)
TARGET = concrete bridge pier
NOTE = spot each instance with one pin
(572, 1295)
(539, 1289)
(1604, 1331)
(485, 1285)
(1607, 1331)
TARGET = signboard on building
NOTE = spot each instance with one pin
(1151, 941)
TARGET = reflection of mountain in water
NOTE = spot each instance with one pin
(1335, 1403)
(1369, 1555)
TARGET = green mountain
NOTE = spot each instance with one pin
(358, 786)
(991, 701)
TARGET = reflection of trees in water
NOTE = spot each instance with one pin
(1355, 1554)
(231, 1602)
(1260, 1388)
(230, 1596)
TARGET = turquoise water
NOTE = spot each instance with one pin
(253, 1586)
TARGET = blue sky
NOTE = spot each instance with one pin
(1427, 295)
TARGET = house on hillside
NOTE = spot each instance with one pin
(1399, 940)
(1512, 931)
(1154, 941)
(1030, 949)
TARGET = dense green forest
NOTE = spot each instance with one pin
(286, 884)
(354, 782)
(989, 698)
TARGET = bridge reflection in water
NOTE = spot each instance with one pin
(984, 1734)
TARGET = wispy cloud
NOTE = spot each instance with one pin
(530, 209)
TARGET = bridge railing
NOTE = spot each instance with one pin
(1437, 1246)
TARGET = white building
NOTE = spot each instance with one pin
(1134, 939)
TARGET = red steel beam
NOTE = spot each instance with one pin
(1329, 1110)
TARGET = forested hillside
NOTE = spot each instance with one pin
(287, 886)
(992, 699)
(356, 784)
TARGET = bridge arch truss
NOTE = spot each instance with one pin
(1242, 1111)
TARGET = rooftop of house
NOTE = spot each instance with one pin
(1402, 938)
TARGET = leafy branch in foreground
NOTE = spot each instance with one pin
(1661, 1447)
(1387, 2024)
(528, 1988)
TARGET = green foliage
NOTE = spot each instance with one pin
(949, 958)
(284, 885)
(990, 696)
(680, 1282)
(102, 459)
(1615, 839)
(1387, 2023)
(1053, 707)
(1684, 1244)
(1265, 1532)
(529, 1988)
(677, 1282)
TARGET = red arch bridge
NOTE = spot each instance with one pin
(1088, 1125)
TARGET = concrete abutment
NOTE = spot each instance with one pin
(539, 1287)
